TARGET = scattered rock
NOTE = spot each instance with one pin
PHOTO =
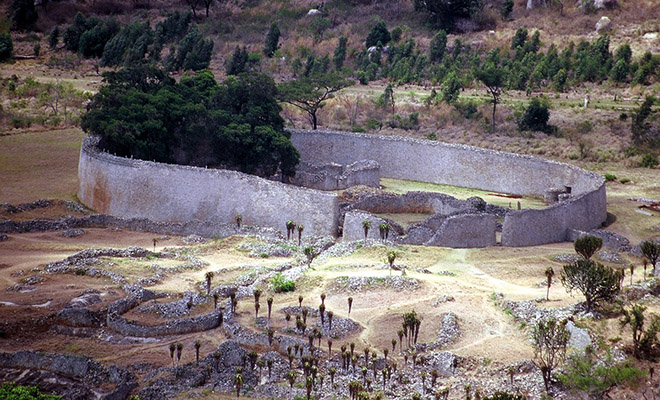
(605, 4)
(604, 24)
(314, 11)
(442, 299)
(580, 338)
(72, 233)
(356, 284)
(3, 237)
(193, 240)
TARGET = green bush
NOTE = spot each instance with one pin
(588, 375)
(610, 177)
(12, 391)
(624, 180)
(281, 285)
(6, 47)
(649, 161)
(536, 116)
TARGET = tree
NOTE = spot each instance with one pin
(506, 9)
(549, 274)
(23, 14)
(492, 76)
(309, 93)
(300, 231)
(54, 37)
(550, 340)
(6, 46)
(193, 4)
(291, 377)
(209, 277)
(587, 245)
(445, 13)
(651, 252)
(141, 112)
(198, 344)
(207, 5)
(271, 41)
(238, 383)
(310, 253)
(339, 55)
(643, 132)
(350, 305)
(378, 34)
(391, 257)
(386, 100)
(238, 61)
(438, 46)
(451, 87)
(536, 116)
(645, 343)
(595, 281)
(366, 224)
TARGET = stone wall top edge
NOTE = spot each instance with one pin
(90, 149)
(597, 179)
(566, 203)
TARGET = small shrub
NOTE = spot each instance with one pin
(623, 116)
(373, 124)
(586, 375)
(431, 136)
(281, 285)
(649, 161)
(610, 177)
(624, 180)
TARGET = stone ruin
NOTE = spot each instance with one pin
(453, 223)
(333, 176)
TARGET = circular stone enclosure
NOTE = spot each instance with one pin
(172, 193)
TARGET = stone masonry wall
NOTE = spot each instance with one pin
(161, 192)
(468, 166)
(332, 176)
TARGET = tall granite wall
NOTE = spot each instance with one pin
(468, 166)
(161, 192)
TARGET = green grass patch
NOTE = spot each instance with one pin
(402, 186)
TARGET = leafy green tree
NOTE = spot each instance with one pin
(450, 88)
(643, 131)
(438, 46)
(645, 342)
(23, 14)
(93, 40)
(549, 274)
(13, 391)
(506, 9)
(535, 117)
(595, 281)
(519, 39)
(54, 37)
(651, 252)
(238, 62)
(340, 53)
(492, 76)
(272, 39)
(6, 47)
(129, 46)
(444, 13)
(550, 340)
(587, 245)
(386, 100)
(194, 53)
(309, 93)
(378, 34)
(143, 113)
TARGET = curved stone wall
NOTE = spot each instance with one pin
(162, 192)
(468, 166)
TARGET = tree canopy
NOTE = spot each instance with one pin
(143, 113)
(309, 93)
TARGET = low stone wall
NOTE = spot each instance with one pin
(173, 193)
(80, 367)
(334, 176)
(468, 166)
(354, 229)
(413, 202)
(466, 230)
(177, 327)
